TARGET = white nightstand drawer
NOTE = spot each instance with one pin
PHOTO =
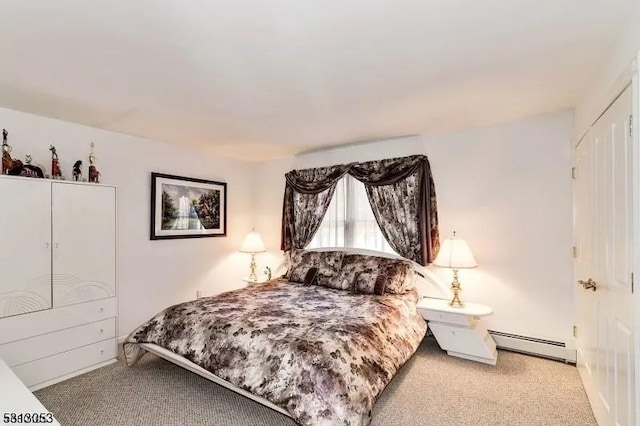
(459, 330)
(447, 317)
(472, 341)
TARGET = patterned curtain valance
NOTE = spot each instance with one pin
(314, 181)
(401, 193)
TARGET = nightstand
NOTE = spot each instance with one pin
(459, 330)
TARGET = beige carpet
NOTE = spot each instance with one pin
(431, 389)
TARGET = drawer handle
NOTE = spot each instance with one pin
(101, 310)
(101, 351)
(101, 330)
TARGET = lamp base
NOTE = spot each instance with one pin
(455, 287)
(252, 276)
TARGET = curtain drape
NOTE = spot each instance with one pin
(402, 196)
(307, 195)
(401, 193)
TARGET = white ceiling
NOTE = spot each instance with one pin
(260, 79)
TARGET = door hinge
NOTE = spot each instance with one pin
(575, 331)
(632, 284)
(574, 251)
(573, 173)
(631, 125)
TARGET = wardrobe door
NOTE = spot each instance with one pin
(84, 243)
(25, 252)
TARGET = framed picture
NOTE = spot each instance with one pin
(183, 207)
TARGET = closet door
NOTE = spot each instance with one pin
(604, 220)
(84, 243)
(25, 252)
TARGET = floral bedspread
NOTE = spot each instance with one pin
(324, 355)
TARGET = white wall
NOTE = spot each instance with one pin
(153, 274)
(506, 189)
(623, 51)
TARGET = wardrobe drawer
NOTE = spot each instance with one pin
(34, 324)
(65, 363)
(26, 350)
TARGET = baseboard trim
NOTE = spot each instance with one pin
(532, 346)
(70, 375)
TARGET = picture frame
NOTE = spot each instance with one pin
(184, 207)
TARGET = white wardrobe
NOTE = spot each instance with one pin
(58, 275)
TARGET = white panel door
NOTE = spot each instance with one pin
(25, 252)
(84, 243)
(603, 229)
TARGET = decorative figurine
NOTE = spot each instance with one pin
(267, 271)
(31, 170)
(56, 173)
(25, 170)
(94, 174)
(77, 171)
(7, 162)
(16, 168)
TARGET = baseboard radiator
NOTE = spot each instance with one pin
(533, 346)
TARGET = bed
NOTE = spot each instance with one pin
(315, 351)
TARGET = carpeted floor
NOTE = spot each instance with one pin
(431, 389)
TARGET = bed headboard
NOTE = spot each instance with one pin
(428, 284)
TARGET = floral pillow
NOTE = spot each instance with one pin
(327, 264)
(399, 275)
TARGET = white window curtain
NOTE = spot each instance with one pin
(349, 221)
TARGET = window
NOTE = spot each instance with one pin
(349, 221)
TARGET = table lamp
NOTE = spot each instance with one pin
(455, 254)
(253, 244)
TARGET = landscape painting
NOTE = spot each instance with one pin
(184, 207)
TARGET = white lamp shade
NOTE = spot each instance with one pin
(252, 243)
(455, 254)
